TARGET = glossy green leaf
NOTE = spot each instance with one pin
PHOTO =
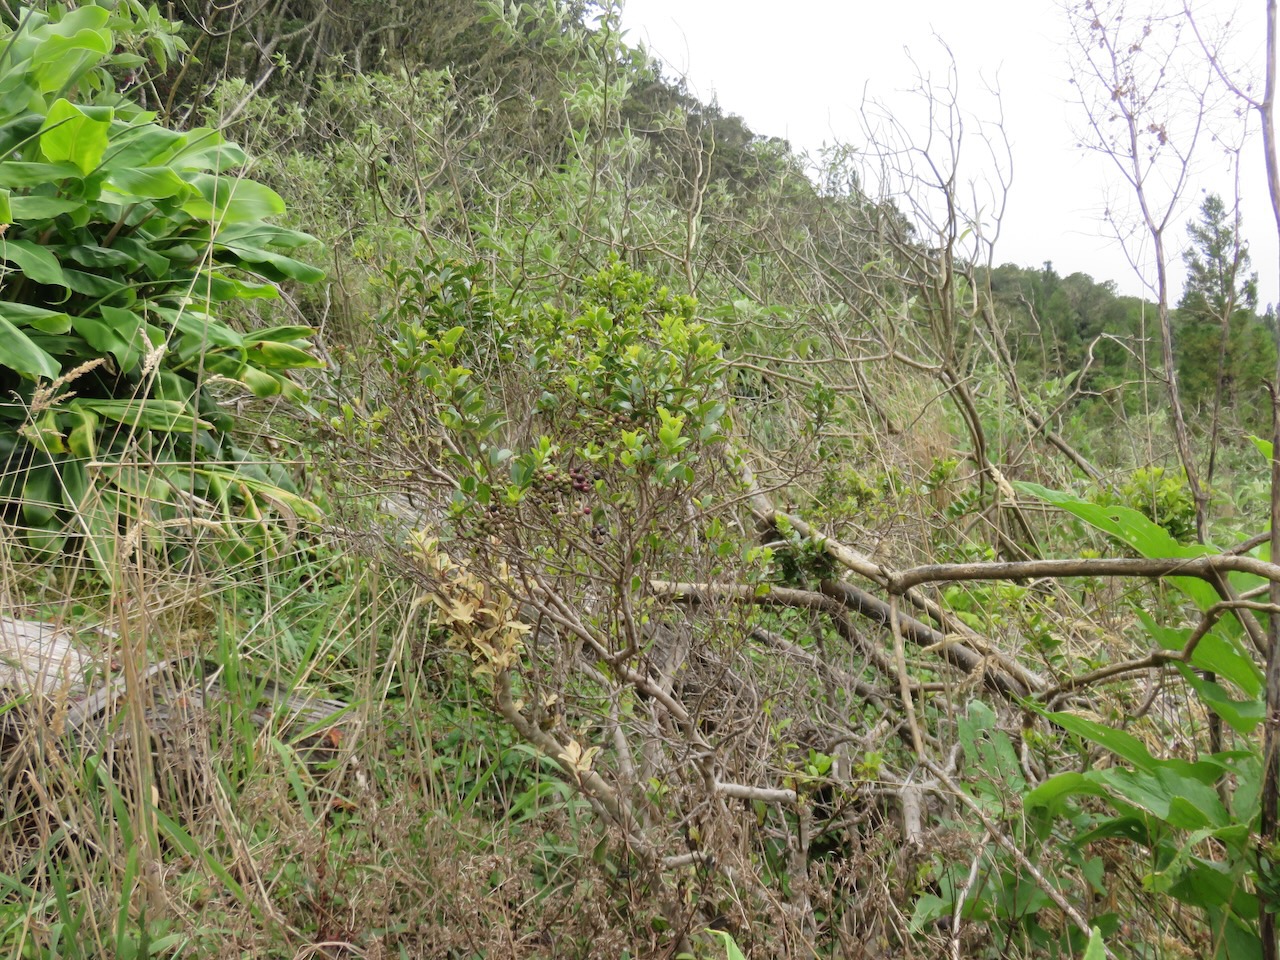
(145, 183)
(44, 434)
(1229, 660)
(290, 389)
(82, 438)
(88, 17)
(1053, 791)
(1122, 744)
(75, 482)
(95, 285)
(1181, 801)
(118, 332)
(19, 174)
(139, 146)
(260, 382)
(299, 506)
(70, 135)
(139, 481)
(1146, 537)
(205, 149)
(20, 354)
(100, 258)
(41, 318)
(41, 497)
(258, 235)
(162, 415)
(270, 355)
(274, 265)
(34, 261)
(60, 58)
(282, 334)
(1243, 716)
(40, 208)
(220, 287)
(203, 329)
(231, 199)
(145, 254)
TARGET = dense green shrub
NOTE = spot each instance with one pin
(125, 248)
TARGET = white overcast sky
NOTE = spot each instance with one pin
(801, 70)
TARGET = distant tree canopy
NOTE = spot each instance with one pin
(1077, 327)
(1069, 326)
(524, 86)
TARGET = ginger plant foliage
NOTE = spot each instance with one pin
(127, 249)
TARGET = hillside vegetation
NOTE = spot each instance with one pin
(685, 548)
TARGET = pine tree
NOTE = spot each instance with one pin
(1218, 277)
(1224, 351)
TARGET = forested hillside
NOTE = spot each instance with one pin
(464, 496)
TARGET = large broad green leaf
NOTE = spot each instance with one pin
(88, 17)
(289, 389)
(118, 332)
(100, 258)
(203, 329)
(1096, 950)
(257, 235)
(1146, 537)
(259, 382)
(274, 266)
(229, 365)
(82, 438)
(299, 506)
(44, 434)
(1181, 801)
(1117, 741)
(1229, 659)
(144, 253)
(142, 482)
(97, 286)
(1169, 638)
(207, 150)
(270, 355)
(20, 354)
(34, 261)
(231, 199)
(731, 949)
(39, 318)
(71, 135)
(141, 145)
(40, 208)
(75, 482)
(162, 415)
(282, 334)
(41, 497)
(219, 287)
(131, 184)
(17, 93)
(14, 173)
(60, 58)
(1223, 654)
(1243, 716)
(1053, 791)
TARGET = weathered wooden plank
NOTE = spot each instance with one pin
(45, 663)
(40, 658)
